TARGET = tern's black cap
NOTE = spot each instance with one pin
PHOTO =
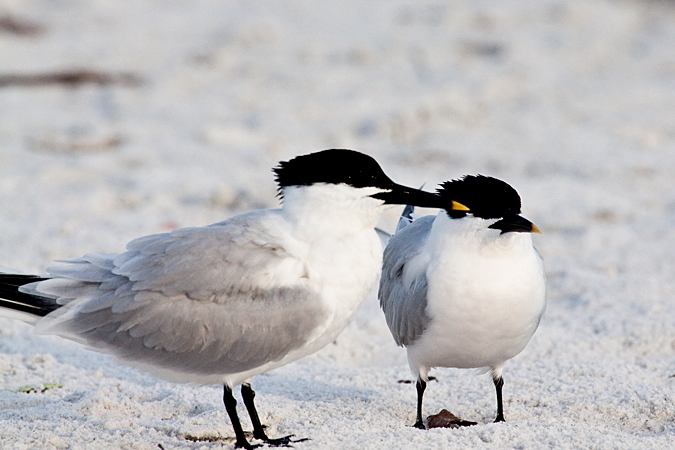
(340, 166)
(335, 166)
(486, 197)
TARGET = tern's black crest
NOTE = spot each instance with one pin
(334, 167)
(486, 197)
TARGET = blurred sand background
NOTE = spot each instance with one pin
(119, 119)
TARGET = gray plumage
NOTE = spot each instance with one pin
(403, 289)
(224, 303)
(180, 301)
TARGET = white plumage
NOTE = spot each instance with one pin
(464, 290)
(220, 304)
(223, 303)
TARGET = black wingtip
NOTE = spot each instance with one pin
(12, 298)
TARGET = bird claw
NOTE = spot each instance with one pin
(285, 441)
(279, 442)
(419, 425)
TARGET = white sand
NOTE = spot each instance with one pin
(572, 102)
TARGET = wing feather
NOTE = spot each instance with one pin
(196, 301)
(403, 285)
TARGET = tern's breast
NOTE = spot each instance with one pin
(484, 308)
(347, 269)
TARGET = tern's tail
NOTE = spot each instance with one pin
(406, 218)
(11, 296)
(404, 221)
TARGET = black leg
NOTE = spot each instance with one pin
(248, 395)
(421, 386)
(231, 407)
(499, 383)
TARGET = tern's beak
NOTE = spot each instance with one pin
(403, 195)
(515, 223)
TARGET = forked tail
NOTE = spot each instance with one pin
(406, 218)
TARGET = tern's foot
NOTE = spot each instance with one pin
(420, 425)
(446, 419)
(285, 441)
(500, 418)
(279, 442)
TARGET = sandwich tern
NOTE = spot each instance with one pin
(464, 289)
(223, 303)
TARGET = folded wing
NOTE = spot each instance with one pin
(403, 285)
(196, 302)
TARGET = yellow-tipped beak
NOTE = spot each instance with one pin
(456, 206)
(535, 229)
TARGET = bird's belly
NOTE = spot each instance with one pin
(481, 323)
(475, 343)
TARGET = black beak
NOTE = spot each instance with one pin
(515, 223)
(403, 195)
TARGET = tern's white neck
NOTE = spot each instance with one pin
(332, 206)
(473, 235)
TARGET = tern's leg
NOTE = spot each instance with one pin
(499, 383)
(248, 395)
(421, 386)
(231, 407)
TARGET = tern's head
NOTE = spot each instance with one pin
(351, 169)
(487, 198)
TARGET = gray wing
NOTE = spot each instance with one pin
(195, 301)
(403, 285)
